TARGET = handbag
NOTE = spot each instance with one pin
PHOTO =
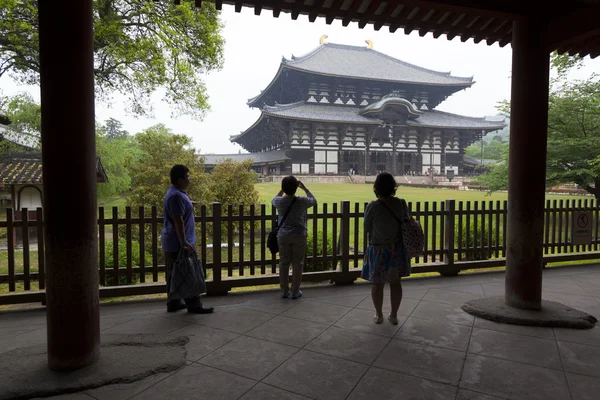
(187, 277)
(412, 234)
(272, 243)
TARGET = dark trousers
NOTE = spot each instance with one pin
(170, 258)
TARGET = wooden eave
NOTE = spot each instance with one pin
(572, 26)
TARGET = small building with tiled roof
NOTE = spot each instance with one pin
(265, 163)
(341, 108)
(21, 175)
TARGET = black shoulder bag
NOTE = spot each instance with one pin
(272, 240)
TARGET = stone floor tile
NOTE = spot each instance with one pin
(249, 357)
(407, 305)
(126, 391)
(513, 380)
(493, 290)
(317, 312)
(30, 338)
(72, 396)
(23, 319)
(470, 395)
(147, 324)
(350, 345)
(580, 358)
(317, 376)
(198, 382)
(235, 319)
(362, 321)
(381, 384)
(346, 301)
(443, 312)
(415, 294)
(572, 300)
(473, 289)
(568, 288)
(450, 296)
(276, 305)
(433, 363)
(533, 331)
(519, 348)
(203, 340)
(435, 333)
(289, 331)
(266, 392)
(583, 387)
(111, 322)
(590, 337)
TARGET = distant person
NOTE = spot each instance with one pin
(292, 233)
(179, 232)
(386, 260)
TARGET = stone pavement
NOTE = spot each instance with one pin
(325, 345)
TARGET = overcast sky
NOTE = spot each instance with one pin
(253, 50)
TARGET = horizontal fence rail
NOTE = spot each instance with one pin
(232, 244)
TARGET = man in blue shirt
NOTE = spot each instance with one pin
(179, 232)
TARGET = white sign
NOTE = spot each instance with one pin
(582, 227)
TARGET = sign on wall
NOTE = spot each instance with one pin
(582, 227)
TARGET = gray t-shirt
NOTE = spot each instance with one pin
(380, 224)
(295, 223)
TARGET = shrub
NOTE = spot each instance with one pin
(319, 265)
(473, 238)
(135, 261)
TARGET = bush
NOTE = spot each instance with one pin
(473, 238)
(135, 261)
(319, 265)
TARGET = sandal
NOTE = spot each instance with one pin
(393, 320)
(378, 320)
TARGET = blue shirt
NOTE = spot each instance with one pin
(177, 203)
(295, 223)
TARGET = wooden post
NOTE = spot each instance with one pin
(67, 96)
(449, 269)
(216, 287)
(527, 164)
(344, 277)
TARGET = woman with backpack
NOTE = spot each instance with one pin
(387, 259)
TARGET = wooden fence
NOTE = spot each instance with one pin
(232, 245)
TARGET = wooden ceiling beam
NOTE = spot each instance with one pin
(569, 30)
(369, 13)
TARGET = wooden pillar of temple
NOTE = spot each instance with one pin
(312, 138)
(527, 165)
(69, 170)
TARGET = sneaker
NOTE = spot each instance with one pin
(297, 295)
(285, 295)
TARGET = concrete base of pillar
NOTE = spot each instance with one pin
(552, 314)
(125, 359)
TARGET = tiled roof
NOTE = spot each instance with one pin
(349, 114)
(364, 63)
(25, 141)
(26, 168)
(318, 112)
(21, 168)
(258, 158)
(440, 119)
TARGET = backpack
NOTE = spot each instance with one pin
(272, 243)
(412, 234)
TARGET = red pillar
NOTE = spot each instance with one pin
(69, 170)
(527, 165)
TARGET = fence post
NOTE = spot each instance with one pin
(344, 277)
(216, 287)
(449, 269)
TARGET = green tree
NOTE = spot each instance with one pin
(160, 149)
(573, 132)
(116, 149)
(25, 122)
(139, 46)
(492, 150)
(232, 183)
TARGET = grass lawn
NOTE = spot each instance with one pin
(334, 193)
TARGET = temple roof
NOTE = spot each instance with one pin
(258, 158)
(363, 63)
(318, 112)
(26, 168)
